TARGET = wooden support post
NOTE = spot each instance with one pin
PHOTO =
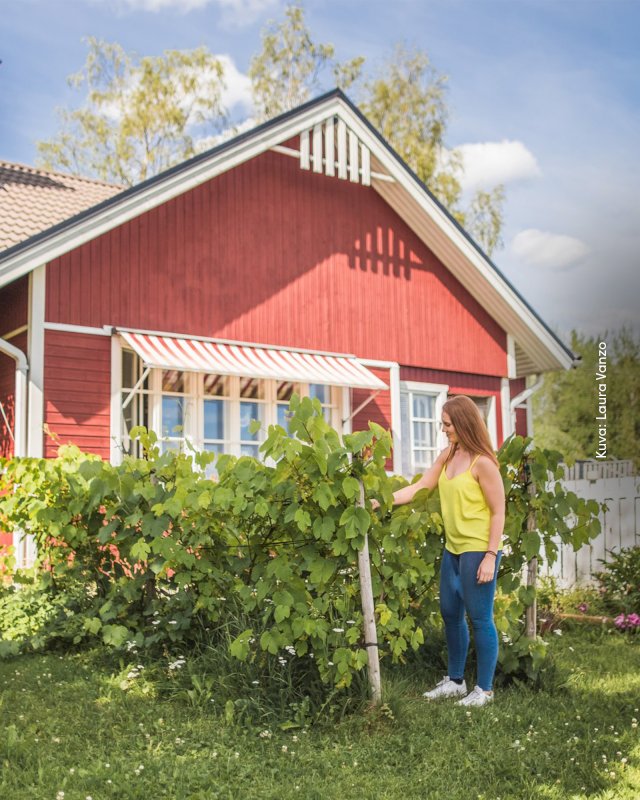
(368, 613)
(531, 617)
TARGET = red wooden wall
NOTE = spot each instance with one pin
(516, 386)
(270, 253)
(14, 313)
(77, 390)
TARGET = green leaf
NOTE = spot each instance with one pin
(115, 635)
(350, 487)
(140, 550)
(302, 519)
(240, 646)
(324, 496)
(323, 528)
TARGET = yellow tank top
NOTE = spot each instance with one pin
(465, 512)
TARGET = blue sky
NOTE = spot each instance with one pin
(544, 96)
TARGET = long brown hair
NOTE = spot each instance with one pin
(470, 427)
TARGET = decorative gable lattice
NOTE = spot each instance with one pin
(332, 148)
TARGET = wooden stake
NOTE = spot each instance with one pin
(531, 616)
(368, 613)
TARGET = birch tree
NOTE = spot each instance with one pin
(286, 72)
(140, 116)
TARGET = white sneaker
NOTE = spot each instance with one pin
(477, 697)
(446, 688)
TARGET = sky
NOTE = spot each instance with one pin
(544, 97)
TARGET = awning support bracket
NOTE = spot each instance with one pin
(361, 406)
(142, 379)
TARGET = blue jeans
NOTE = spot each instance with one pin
(460, 592)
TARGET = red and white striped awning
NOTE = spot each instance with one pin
(251, 361)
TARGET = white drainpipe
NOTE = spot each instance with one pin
(20, 402)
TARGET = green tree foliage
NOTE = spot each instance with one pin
(285, 73)
(566, 407)
(141, 115)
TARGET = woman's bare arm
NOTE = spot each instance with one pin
(492, 487)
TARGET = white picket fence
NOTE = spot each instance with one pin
(616, 484)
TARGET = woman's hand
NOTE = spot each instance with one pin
(486, 569)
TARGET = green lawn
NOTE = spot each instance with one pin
(69, 727)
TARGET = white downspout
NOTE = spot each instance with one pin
(20, 403)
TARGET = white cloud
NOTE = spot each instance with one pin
(235, 97)
(238, 91)
(548, 250)
(240, 12)
(209, 142)
(489, 163)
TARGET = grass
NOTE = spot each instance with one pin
(76, 724)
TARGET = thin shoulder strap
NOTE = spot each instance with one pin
(474, 460)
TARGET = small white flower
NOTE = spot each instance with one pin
(338, 630)
(558, 632)
(284, 748)
(60, 795)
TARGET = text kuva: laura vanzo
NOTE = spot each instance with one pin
(601, 417)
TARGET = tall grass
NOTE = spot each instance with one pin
(91, 726)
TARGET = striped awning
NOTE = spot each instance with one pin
(250, 360)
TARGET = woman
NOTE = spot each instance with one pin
(473, 507)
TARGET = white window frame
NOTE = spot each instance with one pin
(440, 392)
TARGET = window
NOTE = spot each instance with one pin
(215, 404)
(173, 409)
(211, 412)
(136, 410)
(252, 407)
(284, 392)
(420, 411)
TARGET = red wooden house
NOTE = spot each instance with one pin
(303, 254)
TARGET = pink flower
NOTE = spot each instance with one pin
(633, 620)
(584, 607)
(620, 621)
